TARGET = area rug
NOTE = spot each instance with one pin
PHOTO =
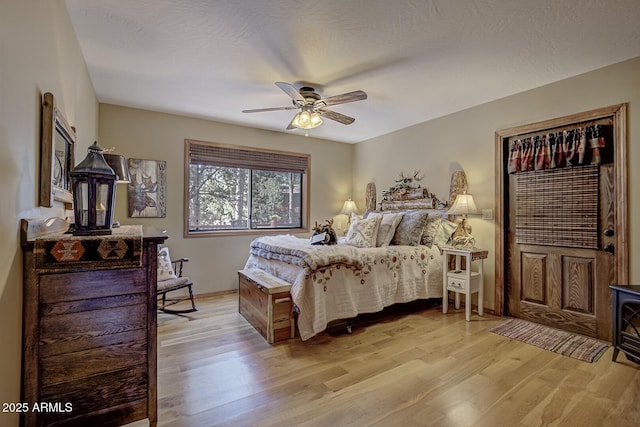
(561, 342)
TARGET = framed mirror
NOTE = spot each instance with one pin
(56, 154)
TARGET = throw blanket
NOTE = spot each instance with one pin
(341, 281)
(296, 251)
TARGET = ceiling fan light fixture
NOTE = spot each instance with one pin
(307, 120)
(309, 103)
(316, 120)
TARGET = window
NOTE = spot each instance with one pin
(235, 190)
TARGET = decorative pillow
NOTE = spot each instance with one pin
(388, 226)
(410, 229)
(363, 232)
(444, 232)
(165, 268)
(433, 223)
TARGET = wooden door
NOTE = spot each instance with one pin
(562, 286)
(555, 284)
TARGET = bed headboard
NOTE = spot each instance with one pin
(419, 200)
(423, 204)
(432, 212)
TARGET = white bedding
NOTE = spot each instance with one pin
(341, 281)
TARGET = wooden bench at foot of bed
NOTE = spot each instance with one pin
(265, 301)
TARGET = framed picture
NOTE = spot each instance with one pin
(147, 189)
(56, 154)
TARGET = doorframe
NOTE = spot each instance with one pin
(618, 113)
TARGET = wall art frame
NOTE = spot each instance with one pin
(57, 152)
(147, 194)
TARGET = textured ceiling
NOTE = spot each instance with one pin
(416, 59)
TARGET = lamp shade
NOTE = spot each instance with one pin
(348, 208)
(463, 205)
(306, 119)
(119, 166)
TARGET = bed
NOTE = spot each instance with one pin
(331, 282)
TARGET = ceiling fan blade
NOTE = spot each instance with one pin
(338, 117)
(260, 110)
(291, 126)
(356, 95)
(291, 91)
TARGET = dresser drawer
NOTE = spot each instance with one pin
(456, 284)
(85, 285)
(458, 281)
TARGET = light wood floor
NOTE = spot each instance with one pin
(416, 368)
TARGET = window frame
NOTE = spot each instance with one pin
(305, 192)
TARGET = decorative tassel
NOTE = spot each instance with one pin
(581, 139)
(515, 154)
(538, 154)
(541, 152)
(546, 151)
(552, 147)
(569, 147)
(561, 160)
(527, 155)
(596, 143)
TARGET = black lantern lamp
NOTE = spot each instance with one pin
(93, 183)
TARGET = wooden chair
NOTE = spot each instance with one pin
(170, 285)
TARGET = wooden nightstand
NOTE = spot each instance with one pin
(461, 281)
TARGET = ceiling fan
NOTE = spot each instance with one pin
(312, 106)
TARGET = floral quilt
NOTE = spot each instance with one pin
(341, 281)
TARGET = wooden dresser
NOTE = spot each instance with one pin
(89, 329)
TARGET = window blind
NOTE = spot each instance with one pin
(209, 154)
(558, 207)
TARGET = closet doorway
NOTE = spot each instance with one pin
(561, 220)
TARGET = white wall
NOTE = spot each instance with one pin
(466, 141)
(214, 261)
(39, 53)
